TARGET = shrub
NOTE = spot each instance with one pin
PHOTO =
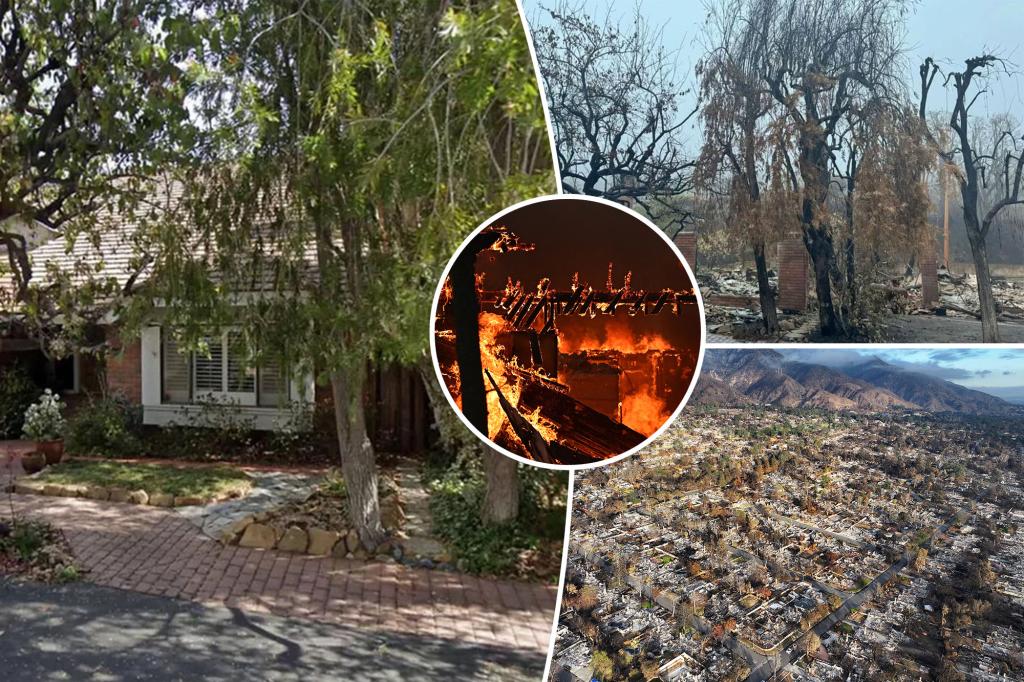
(17, 392)
(44, 419)
(109, 426)
(37, 551)
(457, 496)
(481, 548)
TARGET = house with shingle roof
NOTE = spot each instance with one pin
(174, 386)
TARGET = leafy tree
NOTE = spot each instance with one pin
(351, 149)
(92, 104)
(604, 667)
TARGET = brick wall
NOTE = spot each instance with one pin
(686, 241)
(792, 275)
(124, 368)
(929, 273)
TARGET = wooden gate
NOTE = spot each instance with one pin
(398, 410)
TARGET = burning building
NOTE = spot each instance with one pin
(567, 375)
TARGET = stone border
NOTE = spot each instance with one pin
(260, 532)
(111, 494)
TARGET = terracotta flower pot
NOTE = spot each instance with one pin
(53, 450)
(33, 462)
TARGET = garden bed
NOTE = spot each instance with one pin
(530, 548)
(35, 550)
(152, 484)
(319, 525)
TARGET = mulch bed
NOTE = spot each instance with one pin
(35, 550)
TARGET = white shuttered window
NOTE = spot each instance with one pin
(220, 374)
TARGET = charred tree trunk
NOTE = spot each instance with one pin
(766, 296)
(989, 324)
(822, 253)
(769, 316)
(358, 462)
(849, 246)
(501, 501)
(814, 166)
(466, 309)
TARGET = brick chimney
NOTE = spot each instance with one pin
(792, 275)
(686, 242)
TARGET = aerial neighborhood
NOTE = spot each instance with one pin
(759, 541)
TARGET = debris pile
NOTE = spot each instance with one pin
(732, 307)
(958, 296)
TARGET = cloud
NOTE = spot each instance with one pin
(933, 369)
(951, 354)
(825, 356)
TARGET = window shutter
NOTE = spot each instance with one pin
(210, 370)
(241, 379)
(176, 372)
(273, 384)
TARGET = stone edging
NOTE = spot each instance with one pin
(110, 494)
(259, 532)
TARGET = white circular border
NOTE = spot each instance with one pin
(696, 369)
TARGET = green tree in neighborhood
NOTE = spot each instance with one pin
(351, 148)
(92, 102)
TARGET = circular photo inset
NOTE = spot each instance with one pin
(567, 331)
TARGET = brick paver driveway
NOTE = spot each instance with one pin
(156, 551)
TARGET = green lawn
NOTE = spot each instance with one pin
(153, 478)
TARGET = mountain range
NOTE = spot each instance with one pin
(732, 377)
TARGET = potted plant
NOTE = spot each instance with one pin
(44, 424)
(33, 462)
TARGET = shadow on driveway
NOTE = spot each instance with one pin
(82, 631)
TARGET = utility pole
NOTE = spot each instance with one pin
(945, 215)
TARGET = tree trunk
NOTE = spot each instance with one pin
(443, 418)
(765, 294)
(501, 501)
(358, 463)
(989, 326)
(466, 309)
(819, 247)
(814, 168)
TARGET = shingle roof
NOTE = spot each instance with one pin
(117, 250)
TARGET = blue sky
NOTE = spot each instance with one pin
(999, 371)
(948, 30)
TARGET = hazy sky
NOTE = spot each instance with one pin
(947, 30)
(999, 371)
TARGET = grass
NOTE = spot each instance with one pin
(204, 482)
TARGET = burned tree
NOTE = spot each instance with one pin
(616, 111)
(734, 112)
(820, 60)
(885, 202)
(988, 171)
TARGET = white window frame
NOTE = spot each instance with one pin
(301, 391)
(239, 398)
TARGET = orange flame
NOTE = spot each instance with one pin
(616, 336)
(642, 410)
